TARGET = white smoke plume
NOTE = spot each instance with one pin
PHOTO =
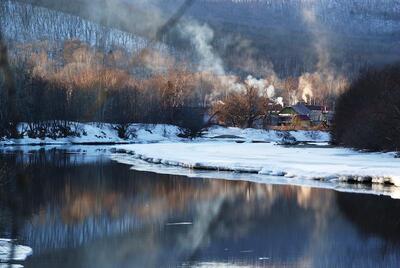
(201, 37)
(306, 88)
(279, 101)
(325, 79)
(271, 91)
(260, 84)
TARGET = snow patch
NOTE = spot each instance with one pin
(251, 134)
(12, 252)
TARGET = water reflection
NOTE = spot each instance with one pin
(85, 211)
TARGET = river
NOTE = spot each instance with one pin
(77, 209)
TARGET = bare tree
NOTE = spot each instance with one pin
(241, 109)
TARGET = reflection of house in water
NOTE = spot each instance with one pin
(304, 115)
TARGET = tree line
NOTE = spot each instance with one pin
(81, 84)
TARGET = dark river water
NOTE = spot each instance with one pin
(77, 210)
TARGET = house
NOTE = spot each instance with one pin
(301, 121)
(303, 114)
(287, 114)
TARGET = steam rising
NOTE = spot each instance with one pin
(306, 88)
(325, 77)
(201, 37)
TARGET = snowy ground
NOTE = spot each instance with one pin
(250, 134)
(94, 133)
(287, 164)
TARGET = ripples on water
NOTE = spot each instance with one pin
(77, 210)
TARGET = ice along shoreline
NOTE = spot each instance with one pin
(290, 165)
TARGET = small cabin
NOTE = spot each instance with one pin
(303, 114)
(298, 112)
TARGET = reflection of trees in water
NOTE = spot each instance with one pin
(12, 208)
(372, 215)
(70, 204)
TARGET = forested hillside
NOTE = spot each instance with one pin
(284, 32)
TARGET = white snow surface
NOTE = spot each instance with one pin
(251, 134)
(149, 133)
(20, 252)
(295, 164)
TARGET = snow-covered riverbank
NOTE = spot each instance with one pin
(293, 163)
(95, 133)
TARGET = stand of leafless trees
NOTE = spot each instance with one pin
(81, 84)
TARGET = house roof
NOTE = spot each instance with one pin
(301, 109)
(315, 107)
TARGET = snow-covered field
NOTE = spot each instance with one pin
(292, 164)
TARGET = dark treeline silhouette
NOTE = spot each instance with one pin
(368, 114)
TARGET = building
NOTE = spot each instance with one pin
(301, 121)
(302, 114)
